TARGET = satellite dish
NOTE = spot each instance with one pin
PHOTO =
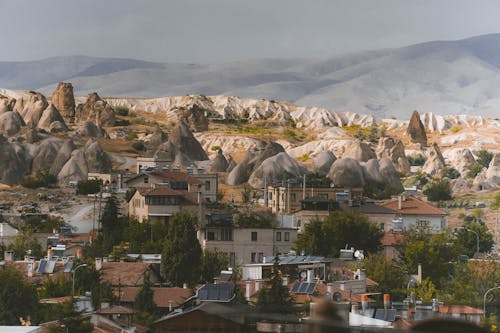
(337, 297)
(303, 274)
(359, 255)
(356, 254)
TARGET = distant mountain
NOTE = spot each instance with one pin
(443, 77)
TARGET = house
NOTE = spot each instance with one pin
(111, 181)
(203, 184)
(376, 213)
(287, 197)
(165, 299)
(412, 212)
(157, 204)
(208, 317)
(126, 274)
(245, 245)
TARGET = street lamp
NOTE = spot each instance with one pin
(74, 271)
(475, 233)
(484, 299)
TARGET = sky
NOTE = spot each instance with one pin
(209, 31)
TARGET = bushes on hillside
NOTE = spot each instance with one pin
(41, 179)
(90, 186)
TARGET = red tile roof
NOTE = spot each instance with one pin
(461, 309)
(176, 176)
(118, 309)
(166, 191)
(392, 238)
(124, 273)
(413, 206)
(161, 296)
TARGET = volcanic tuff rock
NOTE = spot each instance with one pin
(219, 163)
(45, 155)
(96, 110)
(88, 128)
(14, 162)
(193, 116)
(51, 115)
(460, 158)
(346, 171)
(75, 169)
(183, 139)
(360, 151)
(371, 171)
(155, 140)
(323, 162)
(489, 178)
(6, 103)
(435, 161)
(31, 107)
(64, 101)
(390, 174)
(394, 150)
(10, 123)
(416, 130)
(63, 155)
(274, 168)
(97, 159)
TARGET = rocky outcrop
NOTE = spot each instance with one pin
(32, 135)
(360, 151)
(323, 162)
(89, 129)
(460, 158)
(394, 150)
(64, 101)
(371, 171)
(460, 185)
(346, 172)
(489, 178)
(183, 139)
(155, 140)
(97, 159)
(435, 161)
(6, 104)
(219, 163)
(193, 115)
(49, 117)
(31, 107)
(276, 168)
(10, 123)
(96, 110)
(63, 155)
(416, 130)
(14, 162)
(75, 169)
(390, 174)
(46, 153)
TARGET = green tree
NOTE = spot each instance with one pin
(438, 190)
(450, 172)
(275, 297)
(466, 239)
(474, 170)
(426, 290)
(213, 262)
(18, 298)
(144, 301)
(389, 274)
(55, 287)
(484, 157)
(181, 255)
(25, 243)
(91, 186)
(338, 230)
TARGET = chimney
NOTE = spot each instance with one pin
(310, 275)
(387, 301)
(329, 288)
(400, 202)
(8, 256)
(184, 285)
(419, 273)
(361, 274)
(248, 290)
(257, 285)
(364, 302)
(98, 264)
(170, 308)
(49, 254)
(79, 254)
(311, 309)
(435, 305)
(285, 280)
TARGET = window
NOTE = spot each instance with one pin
(278, 236)
(210, 235)
(232, 259)
(253, 257)
(261, 257)
(323, 196)
(294, 197)
(254, 236)
(207, 185)
(287, 236)
(146, 179)
(226, 234)
(270, 195)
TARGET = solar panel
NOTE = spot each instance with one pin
(387, 315)
(216, 292)
(310, 288)
(49, 267)
(302, 288)
(41, 267)
(68, 266)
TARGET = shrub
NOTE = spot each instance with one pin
(90, 186)
(139, 145)
(455, 129)
(132, 135)
(41, 179)
(417, 160)
(474, 170)
(450, 172)
(484, 157)
(289, 133)
(304, 157)
(438, 190)
(214, 148)
(121, 110)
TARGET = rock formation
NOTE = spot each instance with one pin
(416, 130)
(390, 174)
(371, 171)
(394, 150)
(155, 140)
(360, 151)
(63, 155)
(49, 117)
(64, 101)
(45, 155)
(461, 159)
(275, 168)
(31, 107)
(219, 163)
(97, 159)
(89, 129)
(6, 104)
(323, 162)
(14, 162)
(75, 169)
(183, 139)
(96, 110)
(10, 123)
(193, 115)
(435, 161)
(346, 172)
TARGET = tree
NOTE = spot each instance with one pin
(91, 186)
(145, 304)
(484, 157)
(338, 230)
(25, 243)
(41, 179)
(213, 262)
(18, 298)
(438, 190)
(275, 297)
(450, 172)
(181, 255)
(466, 239)
(389, 275)
(474, 170)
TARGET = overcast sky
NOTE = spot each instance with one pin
(205, 31)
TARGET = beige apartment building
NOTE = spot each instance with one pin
(159, 203)
(247, 245)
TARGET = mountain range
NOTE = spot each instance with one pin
(443, 77)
